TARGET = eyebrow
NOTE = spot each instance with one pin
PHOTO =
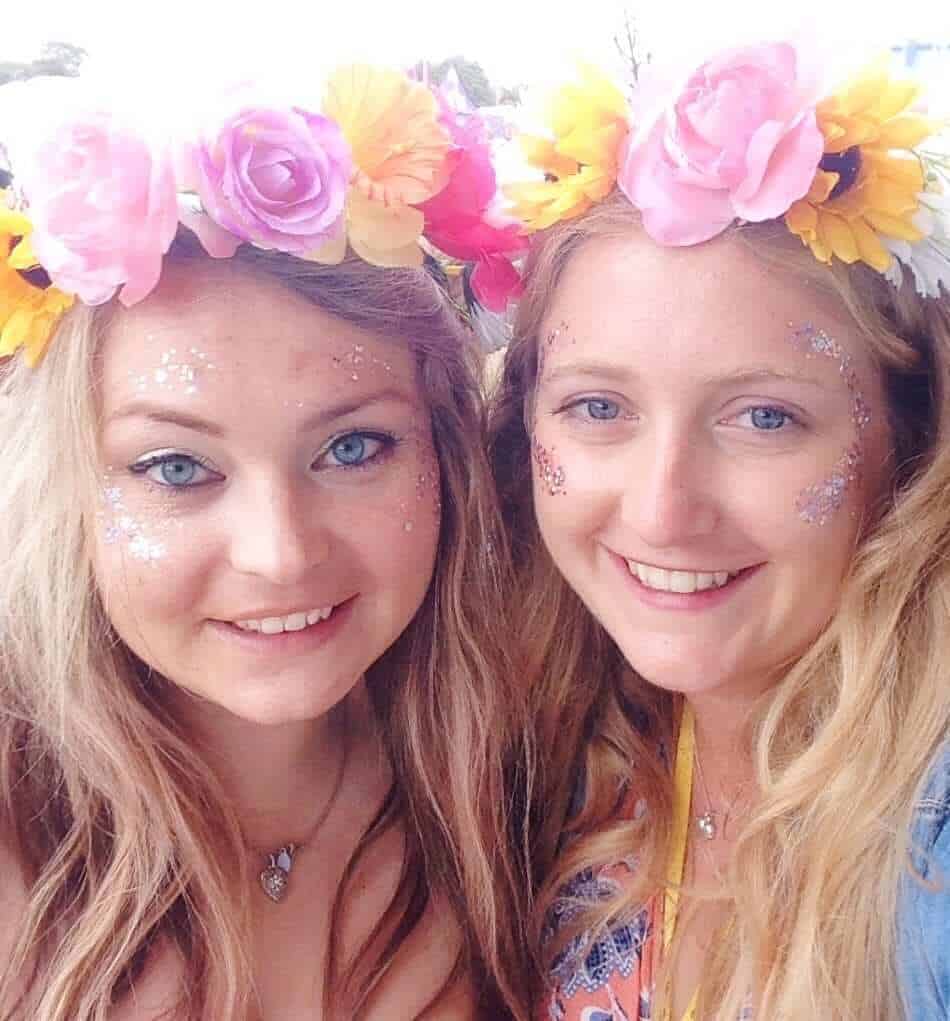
(602, 370)
(768, 375)
(622, 374)
(153, 412)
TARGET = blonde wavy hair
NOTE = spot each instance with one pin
(841, 745)
(122, 832)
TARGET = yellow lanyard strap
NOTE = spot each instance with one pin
(682, 799)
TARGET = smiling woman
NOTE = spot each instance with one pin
(256, 706)
(723, 454)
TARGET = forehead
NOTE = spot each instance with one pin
(240, 330)
(709, 308)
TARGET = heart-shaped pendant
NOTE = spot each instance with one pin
(274, 883)
(276, 877)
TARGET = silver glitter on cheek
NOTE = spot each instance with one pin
(120, 526)
(551, 474)
(818, 503)
(146, 549)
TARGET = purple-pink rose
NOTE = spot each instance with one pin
(274, 177)
(740, 140)
(102, 201)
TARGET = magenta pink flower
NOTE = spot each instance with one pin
(103, 206)
(276, 178)
(458, 219)
(740, 140)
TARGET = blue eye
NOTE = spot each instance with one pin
(176, 471)
(601, 409)
(768, 419)
(356, 449)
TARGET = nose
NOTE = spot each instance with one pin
(278, 533)
(670, 496)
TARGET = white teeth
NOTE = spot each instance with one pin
(292, 622)
(677, 581)
(314, 615)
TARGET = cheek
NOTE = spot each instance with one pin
(396, 529)
(576, 489)
(148, 565)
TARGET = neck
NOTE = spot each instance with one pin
(278, 777)
(722, 740)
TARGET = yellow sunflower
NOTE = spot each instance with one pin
(589, 121)
(869, 178)
(29, 310)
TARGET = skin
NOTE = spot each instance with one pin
(292, 469)
(274, 518)
(679, 347)
(689, 426)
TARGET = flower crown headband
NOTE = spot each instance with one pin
(748, 136)
(386, 168)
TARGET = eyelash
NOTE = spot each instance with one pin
(790, 419)
(386, 442)
(573, 407)
(167, 457)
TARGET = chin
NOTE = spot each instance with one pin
(678, 669)
(278, 708)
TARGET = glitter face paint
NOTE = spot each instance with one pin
(551, 472)
(353, 359)
(175, 372)
(818, 503)
(119, 526)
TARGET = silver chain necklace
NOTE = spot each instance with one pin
(275, 876)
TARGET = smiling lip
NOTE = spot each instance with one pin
(250, 633)
(666, 589)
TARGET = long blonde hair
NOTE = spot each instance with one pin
(109, 811)
(841, 745)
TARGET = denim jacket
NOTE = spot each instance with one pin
(923, 921)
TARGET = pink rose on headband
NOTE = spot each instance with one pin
(739, 140)
(102, 201)
(274, 177)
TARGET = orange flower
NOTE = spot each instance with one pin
(400, 154)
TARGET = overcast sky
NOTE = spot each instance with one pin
(185, 41)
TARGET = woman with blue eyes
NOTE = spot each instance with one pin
(725, 469)
(256, 702)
